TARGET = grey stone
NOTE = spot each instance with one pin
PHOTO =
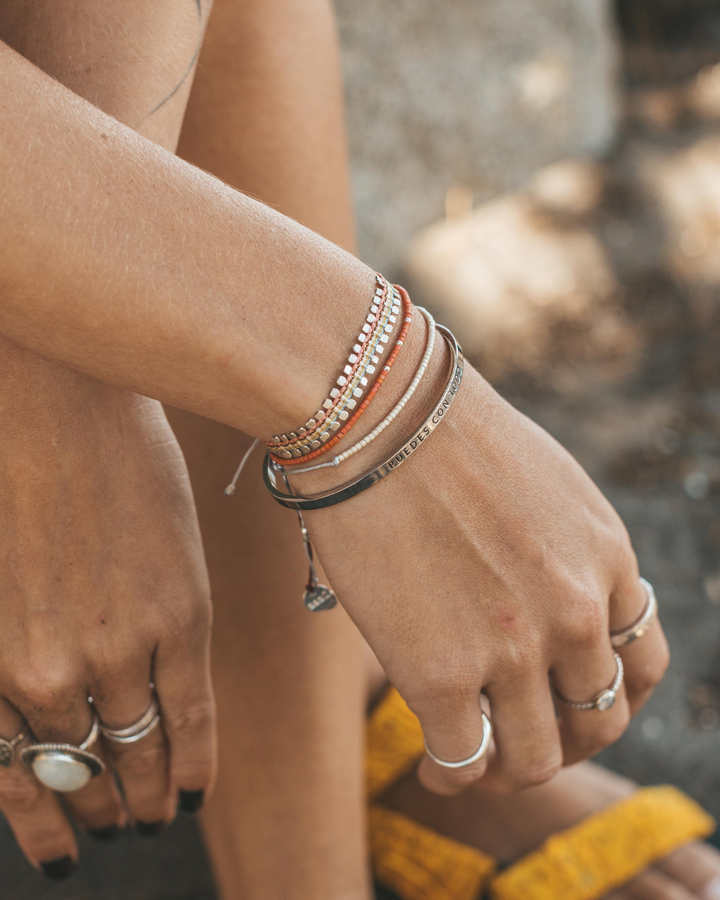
(477, 92)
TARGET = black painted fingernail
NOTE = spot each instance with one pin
(105, 834)
(150, 829)
(191, 801)
(59, 868)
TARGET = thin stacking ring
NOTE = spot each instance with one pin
(605, 699)
(478, 754)
(65, 767)
(642, 625)
(147, 723)
(7, 750)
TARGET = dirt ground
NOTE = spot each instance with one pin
(644, 421)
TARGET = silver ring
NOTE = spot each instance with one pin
(147, 723)
(478, 754)
(65, 767)
(7, 750)
(641, 626)
(605, 699)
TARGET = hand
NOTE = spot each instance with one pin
(490, 562)
(104, 590)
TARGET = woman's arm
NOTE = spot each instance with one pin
(122, 260)
(102, 575)
(488, 561)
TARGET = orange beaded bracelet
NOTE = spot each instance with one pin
(408, 309)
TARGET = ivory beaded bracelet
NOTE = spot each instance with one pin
(394, 413)
(327, 422)
(381, 311)
(371, 393)
(321, 501)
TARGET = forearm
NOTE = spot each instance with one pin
(127, 263)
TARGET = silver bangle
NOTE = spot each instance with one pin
(339, 495)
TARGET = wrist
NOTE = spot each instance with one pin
(393, 389)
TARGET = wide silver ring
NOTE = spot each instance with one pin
(65, 767)
(478, 754)
(605, 699)
(146, 724)
(641, 626)
(7, 750)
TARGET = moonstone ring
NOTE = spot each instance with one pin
(65, 767)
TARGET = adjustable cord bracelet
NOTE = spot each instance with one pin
(321, 501)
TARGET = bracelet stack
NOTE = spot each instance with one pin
(312, 438)
(391, 311)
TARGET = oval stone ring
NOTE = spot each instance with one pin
(605, 699)
(65, 767)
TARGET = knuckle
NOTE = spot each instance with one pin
(19, 795)
(47, 687)
(190, 723)
(459, 779)
(646, 679)
(440, 683)
(143, 759)
(587, 626)
(608, 732)
(532, 774)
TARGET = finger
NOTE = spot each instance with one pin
(57, 710)
(697, 866)
(142, 766)
(526, 734)
(587, 670)
(655, 885)
(454, 730)
(646, 658)
(184, 688)
(32, 810)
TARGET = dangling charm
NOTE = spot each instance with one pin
(317, 597)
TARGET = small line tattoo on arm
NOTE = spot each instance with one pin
(186, 73)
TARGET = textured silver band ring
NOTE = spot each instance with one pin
(7, 750)
(605, 699)
(641, 626)
(478, 754)
(147, 723)
(65, 767)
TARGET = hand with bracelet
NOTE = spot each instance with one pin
(487, 562)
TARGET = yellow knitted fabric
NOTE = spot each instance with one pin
(420, 864)
(394, 743)
(607, 849)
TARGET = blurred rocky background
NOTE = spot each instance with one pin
(546, 176)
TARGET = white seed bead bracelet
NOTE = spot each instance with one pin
(393, 414)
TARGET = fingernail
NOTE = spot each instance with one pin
(105, 834)
(150, 829)
(711, 891)
(59, 868)
(191, 801)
